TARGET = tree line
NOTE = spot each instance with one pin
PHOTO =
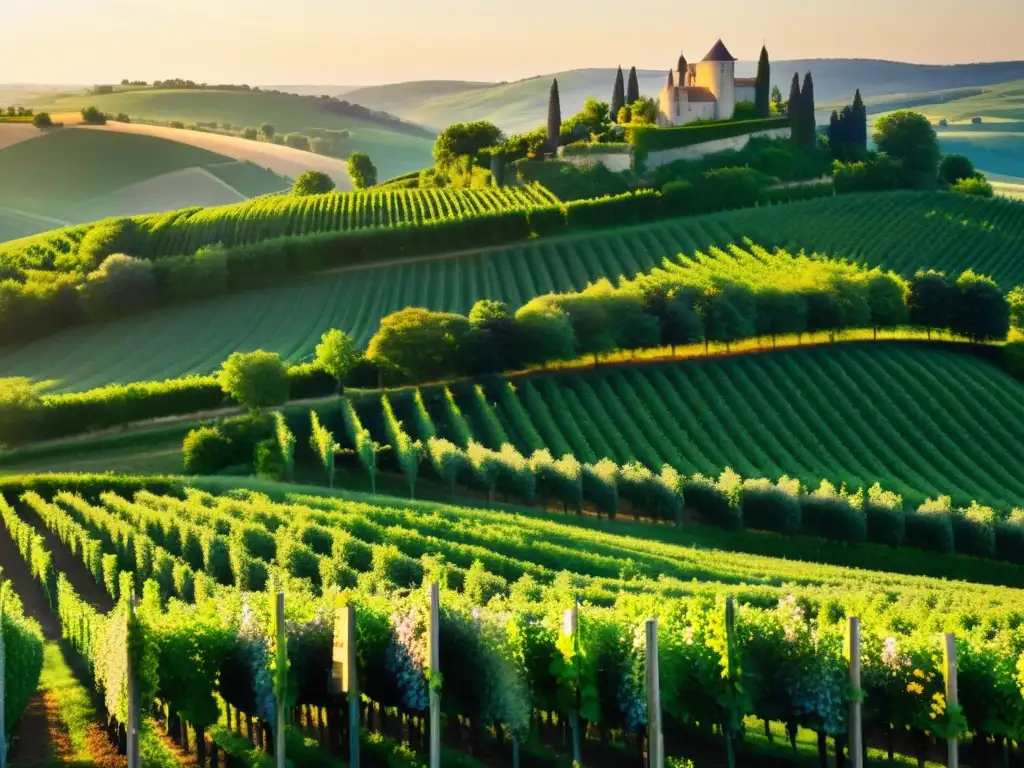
(683, 305)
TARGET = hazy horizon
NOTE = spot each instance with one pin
(314, 42)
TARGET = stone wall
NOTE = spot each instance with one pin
(619, 161)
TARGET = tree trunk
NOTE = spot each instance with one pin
(791, 732)
(890, 747)
(768, 731)
(200, 746)
(822, 749)
(184, 736)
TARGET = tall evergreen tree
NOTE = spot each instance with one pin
(618, 95)
(632, 87)
(681, 68)
(793, 110)
(764, 85)
(809, 134)
(860, 116)
(554, 117)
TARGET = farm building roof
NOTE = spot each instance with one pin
(719, 53)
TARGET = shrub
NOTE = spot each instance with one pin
(420, 344)
(1010, 538)
(830, 514)
(267, 460)
(355, 553)
(772, 507)
(546, 221)
(479, 585)
(93, 116)
(204, 274)
(600, 486)
(390, 566)
(361, 170)
(952, 168)
(121, 285)
(974, 531)
(715, 503)
(885, 519)
(931, 527)
(206, 451)
(255, 380)
(312, 183)
(620, 210)
(976, 187)
(679, 198)
(877, 174)
(726, 188)
(42, 120)
(650, 139)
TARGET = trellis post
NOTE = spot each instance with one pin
(282, 652)
(730, 620)
(3, 691)
(345, 674)
(856, 732)
(952, 697)
(435, 670)
(655, 740)
(134, 714)
(571, 627)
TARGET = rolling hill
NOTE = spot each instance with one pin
(395, 147)
(902, 231)
(74, 175)
(920, 420)
(522, 105)
(996, 145)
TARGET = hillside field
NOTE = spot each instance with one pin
(922, 421)
(74, 175)
(392, 151)
(901, 231)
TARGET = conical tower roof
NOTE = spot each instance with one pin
(719, 53)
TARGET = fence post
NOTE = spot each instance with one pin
(571, 627)
(435, 670)
(134, 715)
(3, 690)
(655, 740)
(856, 734)
(951, 695)
(730, 619)
(282, 652)
(345, 674)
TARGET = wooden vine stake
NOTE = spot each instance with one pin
(952, 697)
(345, 676)
(435, 671)
(571, 627)
(3, 691)
(730, 620)
(134, 709)
(856, 727)
(655, 739)
(282, 643)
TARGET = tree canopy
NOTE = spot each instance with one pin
(909, 138)
(465, 139)
(420, 343)
(361, 170)
(336, 354)
(554, 127)
(763, 88)
(255, 379)
(312, 183)
(618, 94)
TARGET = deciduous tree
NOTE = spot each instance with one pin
(952, 168)
(932, 300)
(462, 139)
(336, 354)
(909, 137)
(312, 183)
(982, 313)
(255, 380)
(420, 344)
(361, 170)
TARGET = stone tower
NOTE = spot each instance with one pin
(717, 72)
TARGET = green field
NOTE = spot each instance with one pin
(921, 421)
(902, 231)
(80, 175)
(392, 150)
(186, 230)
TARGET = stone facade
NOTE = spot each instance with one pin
(708, 90)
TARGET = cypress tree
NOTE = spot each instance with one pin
(681, 69)
(764, 85)
(632, 87)
(793, 110)
(809, 134)
(554, 117)
(860, 117)
(618, 95)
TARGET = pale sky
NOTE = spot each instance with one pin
(345, 42)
